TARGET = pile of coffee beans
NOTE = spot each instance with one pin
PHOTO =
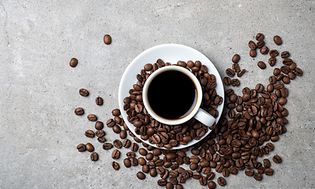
(169, 136)
(250, 125)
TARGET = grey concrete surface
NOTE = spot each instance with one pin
(38, 131)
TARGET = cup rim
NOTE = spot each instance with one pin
(192, 112)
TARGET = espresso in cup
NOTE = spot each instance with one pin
(172, 94)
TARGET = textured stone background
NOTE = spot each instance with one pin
(39, 91)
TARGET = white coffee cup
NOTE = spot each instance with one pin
(195, 110)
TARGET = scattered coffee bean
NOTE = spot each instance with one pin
(266, 163)
(264, 50)
(118, 144)
(141, 175)
(236, 58)
(258, 177)
(272, 61)
(260, 37)
(99, 125)
(277, 39)
(107, 39)
(241, 73)
(277, 159)
(127, 162)
(212, 185)
(261, 65)
(273, 53)
(148, 67)
(116, 129)
(253, 53)
(230, 72)
(79, 111)
(116, 112)
(89, 147)
(285, 54)
(73, 62)
(252, 45)
(116, 154)
(101, 139)
(115, 165)
(92, 117)
(81, 147)
(90, 134)
(99, 101)
(221, 181)
(107, 146)
(94, 156)
(84, 92)
(269, 171)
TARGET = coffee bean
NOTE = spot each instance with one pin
(118, 144)
(143, 152)
(277, 39)
(92, 117)
(286, 80)
(84, 92)
(260, 44)
(79, 111)
(221, 181)
(285, 54)
(116, 154)
(212, 185)
(266, 163)
(156, 139)
(258, 177)
(110, 123)
(99, 101)
(273, 53)
(203, 181)
(264, 50)
(73, 62)
(81, 147)
(123, 134)
(116, 129)
(101, 139)
(277, 159)
(90, 134)
(252, 45)
(230, 72)
(253, 53)
(115, 165)
(249, 172)
(142, 161)
(107, 146)
(89, 147)
(241, 73)
(235, 82)
(162, 182)
(141, 175)
(127, 143)
(272, 61)
(116, 112)
(269, 171)
(260, 37)
(134, 147)
(179, 186)
(99, 125)
(107, 39)
(94, 156)
(153, 172)
(145, 168)
(236, 58)
(127, 162)
(148, 67)
(169, 186)
(261, 65)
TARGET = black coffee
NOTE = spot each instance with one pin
(171, 94)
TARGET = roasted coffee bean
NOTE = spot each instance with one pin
(253, 53)
(107, 146)
(286, 80)
(123, 134)
(118, 144)
(79, 111)
(116, 129)
(81, 147)
(260, 44)
(203, 181)
(110, 123)
(134, 161)
(107, 39)
(127, 143)
(116, 154)
(134, 147)
(127, 162)
(227, 81)
(236, 67)
(179, 186)
(148, 67)
(142, 161)
(92, 117)
(162, 182)
(269, 171)
(249, 172)
(90, 134)
(241, 73)
(156, 139)
(99, 101)
(84, 92)
(94, 156)
(277, 39)
(221, 181)
(285, 54)
(99, 125)
(145, 168)
(277, 159)
(73, 62)
(252, 45)
(258, 177)
(260, 37)
(272, 61)
(235, 82)
(116, 112)
(169, 186)
(89, 147)
(115, 165)
(143, 152)
(273, 53)
(261, 65)
(264, 50)
(236, 58)
(276, 72)
(266, 163)
(153, 172)
(212, 185)
(230, 72)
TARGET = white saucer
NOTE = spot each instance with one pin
(168, 53)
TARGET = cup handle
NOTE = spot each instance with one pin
(204, 117)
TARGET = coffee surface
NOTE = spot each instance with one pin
(171, 94)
